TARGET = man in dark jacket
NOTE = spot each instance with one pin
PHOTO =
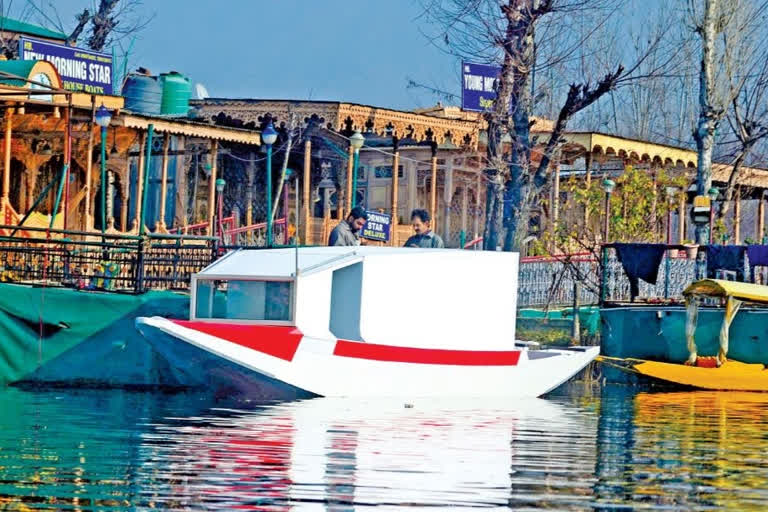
(347, 233)
(424, 238)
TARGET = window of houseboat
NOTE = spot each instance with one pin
(240, 299)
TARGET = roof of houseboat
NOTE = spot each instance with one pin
(282, 262)
(719, 288)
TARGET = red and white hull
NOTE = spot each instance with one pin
(278, 362)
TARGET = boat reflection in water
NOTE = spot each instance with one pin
(685, 450)
(616, 449)
(337, 455)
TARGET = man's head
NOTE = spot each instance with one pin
(356, 219)
(420, 220)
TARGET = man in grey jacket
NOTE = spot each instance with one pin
(347, 233)
(424, 238)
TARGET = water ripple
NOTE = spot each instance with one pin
(611, 449)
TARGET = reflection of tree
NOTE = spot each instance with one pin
(340, 469)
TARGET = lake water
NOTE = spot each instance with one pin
(611, 448)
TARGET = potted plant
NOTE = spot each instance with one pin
(672, 253)
(691, 249)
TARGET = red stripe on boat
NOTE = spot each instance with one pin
(426, 355)
(275, 340)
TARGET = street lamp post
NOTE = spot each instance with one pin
(103, 118)
(356, 141)
(268, 137)
(608, 186)
(713, 193)
(220, 183)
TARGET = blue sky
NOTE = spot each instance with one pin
(323, 49)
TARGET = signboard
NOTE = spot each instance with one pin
(377, 226)
(81, 70)
(478, 86)
(702, 209)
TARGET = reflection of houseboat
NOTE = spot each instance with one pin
(329, 321)
(651, 326)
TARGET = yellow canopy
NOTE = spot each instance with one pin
(717, 288)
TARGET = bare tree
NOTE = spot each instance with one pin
(110, 20)
(728, 31)
(748, 122)
(525, 35)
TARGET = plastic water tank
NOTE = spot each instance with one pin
(143, 94)
(177, 90)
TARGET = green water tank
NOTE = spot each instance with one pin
(177, 90)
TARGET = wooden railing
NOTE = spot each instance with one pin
(201, 229)
(256, 234)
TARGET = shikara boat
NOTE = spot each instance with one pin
(358, 321)
(713, 371)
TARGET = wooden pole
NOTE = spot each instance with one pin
(654, 204)
(464, 208)
(760, 219)
(125, 189)
(433, 186)
(89, 168)
(145, 187)
(160, 225)
(307, 236)
(476, 223)
(7, 160)
(737, 216)
(212, 186)
(395, 187)
(447, 198)
(67, 159)
(182, 200)
(587, 181)
(140, 181)
(348, 198)
(681, 217)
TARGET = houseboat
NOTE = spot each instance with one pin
(357, 321)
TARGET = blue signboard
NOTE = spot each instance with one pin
(377, 226)
(80, 70)
(478, 86)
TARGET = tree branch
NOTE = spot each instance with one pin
(580, 96)
(82, 20)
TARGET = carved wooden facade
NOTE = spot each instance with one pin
(347, 117)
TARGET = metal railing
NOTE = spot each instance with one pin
(551, 281)
(112, 262)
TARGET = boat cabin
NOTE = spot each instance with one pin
(395, 296)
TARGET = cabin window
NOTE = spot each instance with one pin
(241, 299)
(346, 297)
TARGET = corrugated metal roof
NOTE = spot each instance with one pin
(21, 68)
(12, 25)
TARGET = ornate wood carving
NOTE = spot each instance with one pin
(342, 117)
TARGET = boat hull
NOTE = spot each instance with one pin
(657, 333)
(732, 376)
(88, 338)
(342, 368)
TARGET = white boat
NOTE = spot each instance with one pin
(357, 321)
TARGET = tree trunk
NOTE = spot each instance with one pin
(709, 116)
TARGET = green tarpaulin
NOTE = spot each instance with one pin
(63, 335)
